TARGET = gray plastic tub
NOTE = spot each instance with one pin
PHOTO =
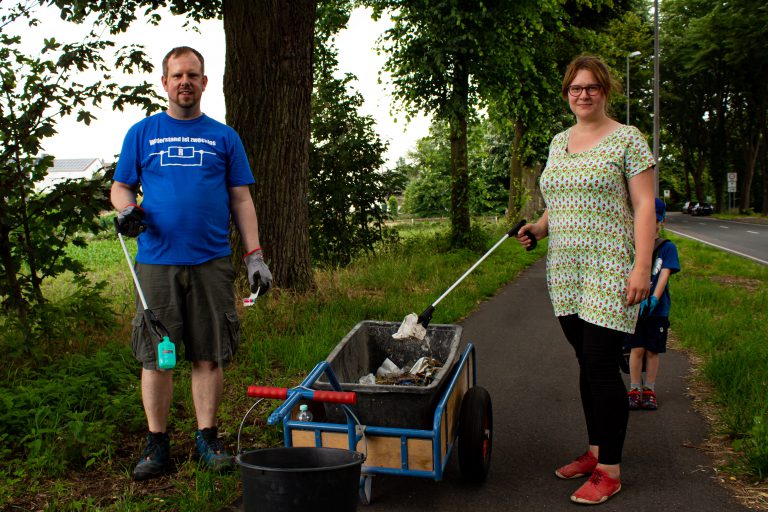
(364, 349)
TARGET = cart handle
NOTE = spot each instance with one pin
(337, 397)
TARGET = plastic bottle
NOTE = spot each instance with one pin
(304, 414)
(166, 354)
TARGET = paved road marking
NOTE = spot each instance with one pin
(753, 232)
(719, 247)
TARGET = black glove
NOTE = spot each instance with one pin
(258, 273)
(129, 220)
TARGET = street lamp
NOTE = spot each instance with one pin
(633, 54)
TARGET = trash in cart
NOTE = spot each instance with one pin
(387, 368)
(420, 373)
(364, 349)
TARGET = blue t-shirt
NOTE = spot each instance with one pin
(665, 258)
(185, 169)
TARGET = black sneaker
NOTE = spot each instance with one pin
(210, 449)
(155, 457)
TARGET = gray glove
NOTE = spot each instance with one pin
(258, 273)
(129, 220)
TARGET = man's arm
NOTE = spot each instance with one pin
(122, 195)
(244, 215)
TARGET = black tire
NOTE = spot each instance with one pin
(475, 434)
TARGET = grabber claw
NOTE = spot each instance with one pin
(250, 301)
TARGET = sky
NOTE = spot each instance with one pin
(103, 137)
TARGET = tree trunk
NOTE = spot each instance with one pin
(719, 154)
(752, 147)
(764, 168)
(268, 89)
(698, 183)
(460, 223)
(686, 181)
(534, 202)
(516, 182)
(12, 287)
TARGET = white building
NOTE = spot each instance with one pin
(70, 168)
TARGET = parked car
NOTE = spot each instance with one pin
(702, 209)
(687, 207)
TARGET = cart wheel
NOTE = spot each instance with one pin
(475, 434)
(366, 484)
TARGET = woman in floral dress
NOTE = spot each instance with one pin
(598, 186)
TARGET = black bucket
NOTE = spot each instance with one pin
(300, 479)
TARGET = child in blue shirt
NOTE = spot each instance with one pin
(650, 337)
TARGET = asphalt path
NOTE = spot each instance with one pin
(525, 363)
(531, 373)
(744, 239)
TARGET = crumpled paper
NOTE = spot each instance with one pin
(367, 379)
(387, 368)
(410, 328)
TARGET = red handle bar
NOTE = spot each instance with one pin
(337, 397)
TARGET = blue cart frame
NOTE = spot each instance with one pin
(389, 450)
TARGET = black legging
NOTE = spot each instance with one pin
(603, 394)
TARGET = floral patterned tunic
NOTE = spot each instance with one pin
(591, 231)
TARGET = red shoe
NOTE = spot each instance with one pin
(634, 399)
(581, 466)
(597, 489)
(649, 400)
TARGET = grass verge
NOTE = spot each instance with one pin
(720, 303)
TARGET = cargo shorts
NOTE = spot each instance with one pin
(196, 304)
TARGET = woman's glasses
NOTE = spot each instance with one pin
(592, 89)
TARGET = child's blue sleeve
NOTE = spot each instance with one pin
(669, 257)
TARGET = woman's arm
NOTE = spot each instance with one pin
(641, 188)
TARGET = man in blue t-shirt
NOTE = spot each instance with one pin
(194, 175)
(650, 337)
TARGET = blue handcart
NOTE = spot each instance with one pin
(402, 430)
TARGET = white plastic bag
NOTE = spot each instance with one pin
(410, 328)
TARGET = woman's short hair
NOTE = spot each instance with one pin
(598, 68)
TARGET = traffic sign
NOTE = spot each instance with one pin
(731, 186)
(731, 177)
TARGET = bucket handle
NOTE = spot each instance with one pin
(239, 430)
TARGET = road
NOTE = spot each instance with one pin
(741, 238)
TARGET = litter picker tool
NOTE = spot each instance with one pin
(416, 327)
(166, 349)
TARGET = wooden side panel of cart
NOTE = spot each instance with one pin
(388, 451)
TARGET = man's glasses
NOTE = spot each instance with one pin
(592, 89)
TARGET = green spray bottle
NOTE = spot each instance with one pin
(166, 354)
(166, 349)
